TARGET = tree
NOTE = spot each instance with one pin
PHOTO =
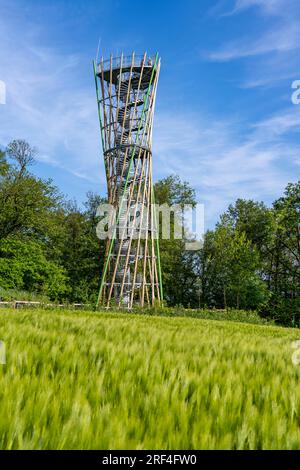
(179, 273)
(49, 245)
(82, 252)
(287, 243)
(23, 265)
(3, 164)
(284, 259)
(26, 202)
(30, 220)
(229, 269)
(251, 217)
(21, 152)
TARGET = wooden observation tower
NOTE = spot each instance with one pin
(126, 90)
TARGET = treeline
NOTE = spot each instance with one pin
(250, 260)
(48, 246)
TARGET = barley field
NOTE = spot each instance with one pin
(80, 380)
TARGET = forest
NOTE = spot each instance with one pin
(49, 248)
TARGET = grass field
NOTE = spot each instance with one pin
(98, 381)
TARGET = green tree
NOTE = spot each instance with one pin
(26, 202)
(229, 269)
(251, 217)
(23, 265)
(179, 271)
(82, 251)
(284, 259)
(3, 164)
(30, 220)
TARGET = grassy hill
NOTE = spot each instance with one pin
(84, 380)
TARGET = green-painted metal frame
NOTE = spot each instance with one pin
(98, 105)
(126, 182)
(157, 247)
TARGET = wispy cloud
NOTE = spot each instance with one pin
(284, 39)
(222, 163)
(271, 48)
(270, 7)
(51, 103)
(48, 102)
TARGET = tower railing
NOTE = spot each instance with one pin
(124, 61)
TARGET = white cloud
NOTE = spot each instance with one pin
(270, 50)
(266, 7)
(54, 108)
(281, 40)
(279, 124)
(48, 102)
(271, 7)
(221, 164)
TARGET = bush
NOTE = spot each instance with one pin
(208, 314)
(283, 311)
(23, 266)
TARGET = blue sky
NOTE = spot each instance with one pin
(224, 117)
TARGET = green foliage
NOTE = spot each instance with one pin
(23, 266)
(49, 246)
(254, 255)
(82, 253)
(285, 246)
(26, 204)
(229, 270)
(252, 218)
(3, 164)
(115, 381)
(179, 276)
(242, 316)
(282, 260)
(8, 295)
(283, 311)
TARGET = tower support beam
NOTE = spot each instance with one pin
(126, 91)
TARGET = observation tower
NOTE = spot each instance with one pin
(126, 90)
